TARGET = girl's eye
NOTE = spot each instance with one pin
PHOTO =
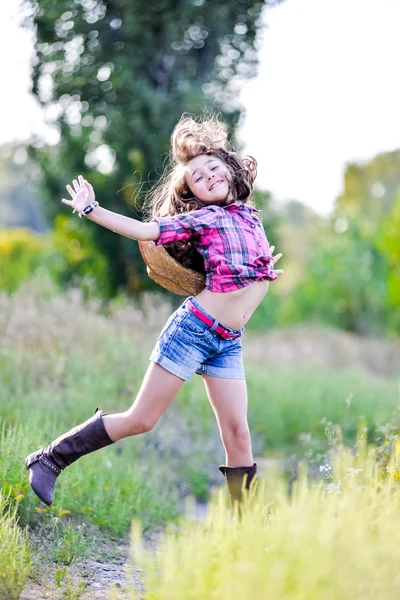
(197, 180)
(213, 168)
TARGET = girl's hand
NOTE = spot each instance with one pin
(275, 259)
(82, 194)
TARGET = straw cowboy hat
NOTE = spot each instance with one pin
(168, 272)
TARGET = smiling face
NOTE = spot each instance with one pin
(208, 178)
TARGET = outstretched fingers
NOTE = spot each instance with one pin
(78, 185)
(275, 259)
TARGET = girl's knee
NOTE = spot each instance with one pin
(139, 423)
(237, 434)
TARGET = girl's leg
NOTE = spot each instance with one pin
(156, 393)
(228, 398)
(158, 389)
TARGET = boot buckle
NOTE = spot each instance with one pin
(45, 461)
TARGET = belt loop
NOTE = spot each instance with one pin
(214, 326)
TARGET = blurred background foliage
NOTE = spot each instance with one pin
(113, 79)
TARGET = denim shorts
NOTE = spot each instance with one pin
(186, 346)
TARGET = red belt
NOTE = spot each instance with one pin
(224, 333)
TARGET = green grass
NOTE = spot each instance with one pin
(70, 543)
(142, 475)
(334, 539)
(61, 358)
(15, 553)
(287, 402)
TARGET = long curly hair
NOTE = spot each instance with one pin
(171, 196)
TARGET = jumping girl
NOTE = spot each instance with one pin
(204, 206)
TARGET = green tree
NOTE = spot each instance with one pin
(369, 190)
(388, 242)
(114, 77)
(345, 283)
(370, 204)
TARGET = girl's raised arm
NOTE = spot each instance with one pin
(131, 228)
(83, 194)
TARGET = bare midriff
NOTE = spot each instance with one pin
(233, 309)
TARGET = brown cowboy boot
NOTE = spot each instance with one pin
(234, 479)
(46, 464)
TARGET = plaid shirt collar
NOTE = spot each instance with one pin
(240, 206)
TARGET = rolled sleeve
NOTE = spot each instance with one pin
(182, 227)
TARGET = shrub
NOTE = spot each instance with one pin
(21, 254)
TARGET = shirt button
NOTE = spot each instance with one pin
(252, 226)
(259, 243)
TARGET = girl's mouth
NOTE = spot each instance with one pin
(215, 184)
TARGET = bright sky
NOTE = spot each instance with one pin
(327, 92)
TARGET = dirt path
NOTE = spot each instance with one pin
(107, 571)
(104, 574)
(108, 567)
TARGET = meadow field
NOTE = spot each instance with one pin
(331, 428)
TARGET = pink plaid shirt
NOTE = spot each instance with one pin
(231, 239)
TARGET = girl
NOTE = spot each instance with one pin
(203, 206)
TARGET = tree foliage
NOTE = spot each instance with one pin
(388, 242)
(371, 198)
(114, 76)
(370, 190)
(345, 283)
(352, 278)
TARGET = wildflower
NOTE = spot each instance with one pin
(333, 488)
(352, 471)
(325, 468)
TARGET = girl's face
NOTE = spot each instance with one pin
(208, 178)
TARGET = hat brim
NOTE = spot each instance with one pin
(168, 272)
